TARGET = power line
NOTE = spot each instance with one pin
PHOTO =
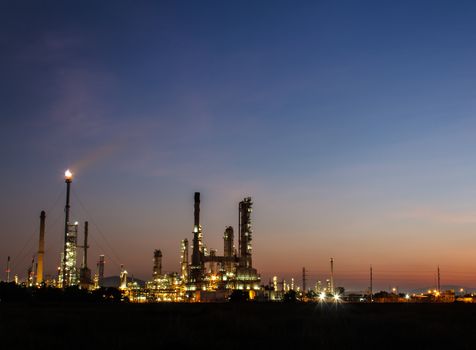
(113, 256)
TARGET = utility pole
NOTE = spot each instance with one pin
(438, 285)
(332, 276)
(8, 269)
(371, 284)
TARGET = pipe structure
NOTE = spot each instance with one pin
(41, 248)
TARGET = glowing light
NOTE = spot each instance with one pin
(336, 297)
(407, 296)
(322, 296)
(68, 175)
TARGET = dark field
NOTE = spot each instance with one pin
(346, 326)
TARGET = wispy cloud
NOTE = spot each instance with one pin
(434, 215)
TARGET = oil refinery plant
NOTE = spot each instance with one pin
(205, 275)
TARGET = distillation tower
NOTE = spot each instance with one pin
(157, 268)
(184, 268)
(232, 270)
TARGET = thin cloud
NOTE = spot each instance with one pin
(433, 215)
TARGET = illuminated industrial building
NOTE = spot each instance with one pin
(162, 287)
(184, 267)
(208, 276)
(212, 272)
(204, 273)
(69, 273)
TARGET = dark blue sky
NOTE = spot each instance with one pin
(350, 123)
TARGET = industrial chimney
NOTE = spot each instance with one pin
(41, 248)
(196, 267)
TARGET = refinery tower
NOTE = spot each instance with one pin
(232, 270)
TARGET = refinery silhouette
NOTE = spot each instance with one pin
(205, 275)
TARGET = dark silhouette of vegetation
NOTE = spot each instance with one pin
(290, 296)
(311, 294)
(239, 296)
(11, 292)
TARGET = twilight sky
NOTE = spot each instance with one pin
(350, 123)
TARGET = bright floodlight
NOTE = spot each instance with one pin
(322, 296)
(68, 175)
(336, 297)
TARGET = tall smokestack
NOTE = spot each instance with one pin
(196, 211)
(196, 266)
(41, 248)
(196, 226)
(68, 178)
